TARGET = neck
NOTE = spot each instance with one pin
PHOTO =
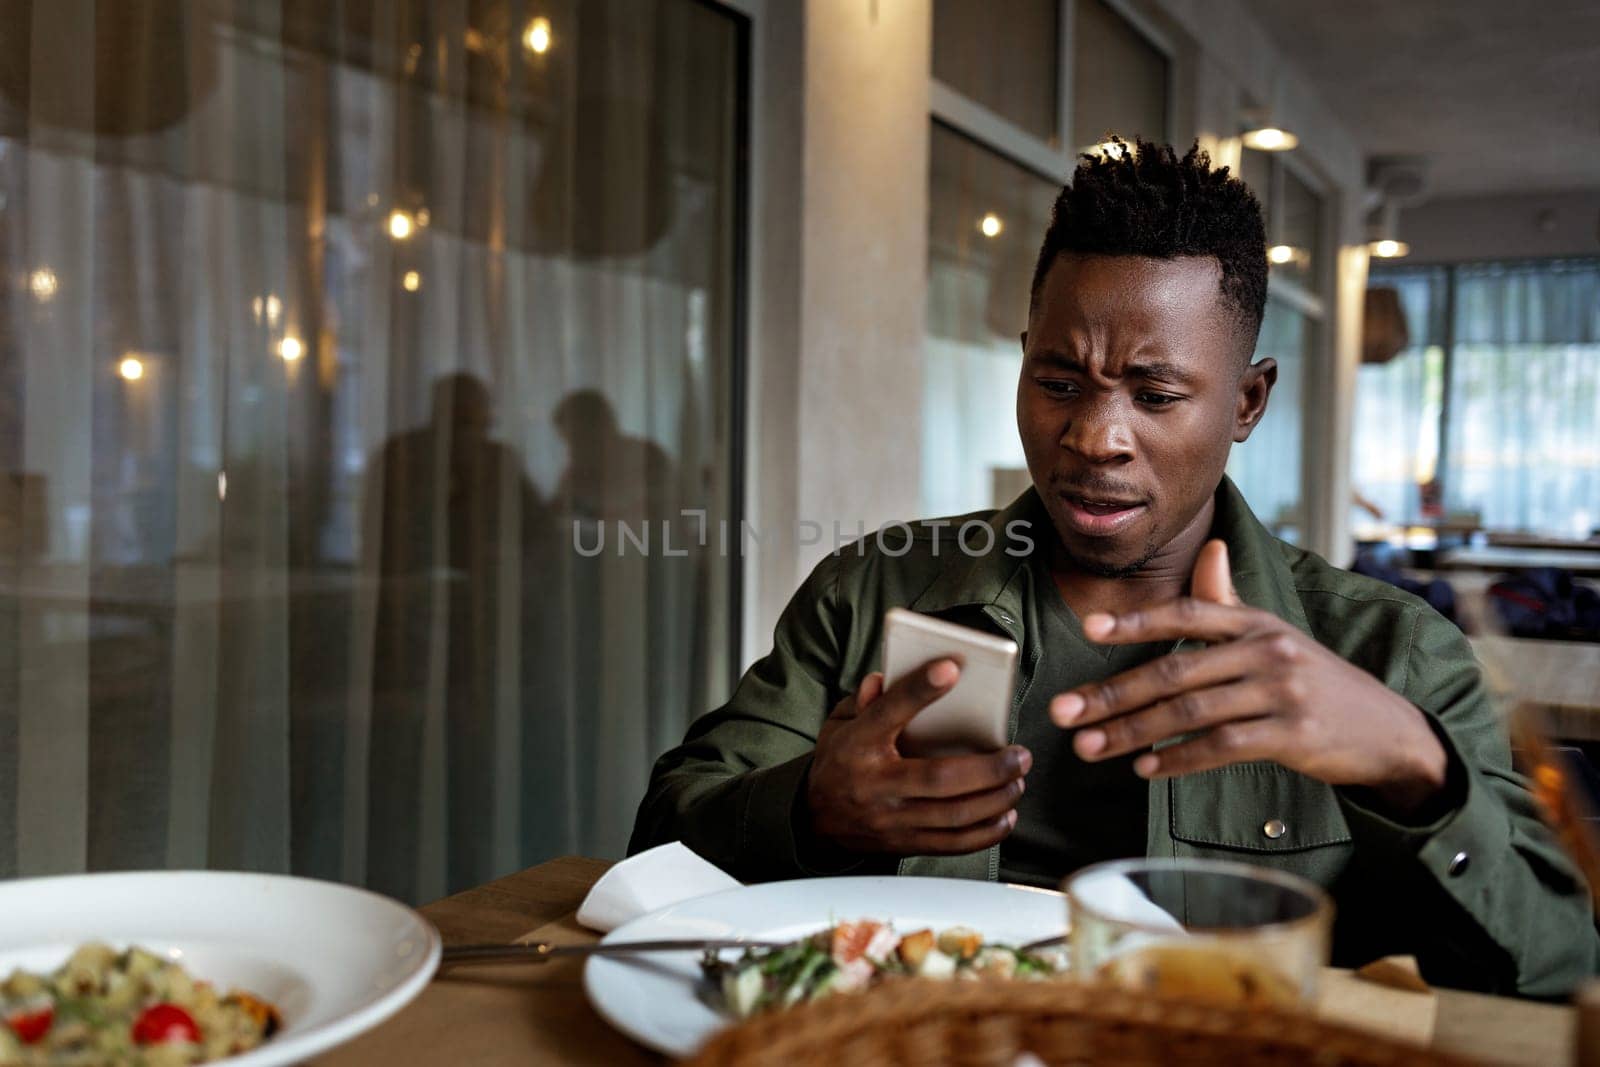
(1164, 577)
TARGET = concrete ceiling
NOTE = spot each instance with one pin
(1500, 96)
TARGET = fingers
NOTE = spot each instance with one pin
(1211, 579)
(960, 812)
(915, 690)
(1161, 678)
(1175, 619)
(1234, 742)
(956, 776)
(963, 841)
(871, 689)
(1197, 709)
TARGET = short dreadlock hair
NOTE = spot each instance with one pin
(1142, 200)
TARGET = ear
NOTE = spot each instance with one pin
(1254, 386)
(1024, 342)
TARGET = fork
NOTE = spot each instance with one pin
(544, 951)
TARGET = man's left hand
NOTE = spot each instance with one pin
(1261, 690)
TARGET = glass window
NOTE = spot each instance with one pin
(1119, 79)
(1395, 436)
(340, 345)
(1508, 391)
(986, 217)
(1523, 432)
(1255, 169)
(1267, 468)
(1292, 211)
(1007, 61)
(1300, 211)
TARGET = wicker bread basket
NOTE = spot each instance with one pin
(989, 1024)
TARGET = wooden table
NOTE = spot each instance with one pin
(1561, 677)
(538, 1014)
(1491, 558)
(1512, 539)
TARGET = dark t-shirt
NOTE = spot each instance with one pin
(1073, 813)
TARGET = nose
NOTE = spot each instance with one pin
(1097, 431)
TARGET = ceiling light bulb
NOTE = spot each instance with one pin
(131, 369)
(1281, 254)
(1270, 139)
(400, 225)
(291, 349)
(43, 284)
(537, 37)
(412, 281)
(1388, 248)
(991, 225)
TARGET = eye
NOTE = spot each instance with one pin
(1057, 387)
(1157, 400)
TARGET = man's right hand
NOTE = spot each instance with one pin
(865, 797)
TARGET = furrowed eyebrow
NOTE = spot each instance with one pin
(1150, 370)
(1056, 358)
(1162, 371)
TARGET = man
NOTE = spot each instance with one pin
(1189, 685)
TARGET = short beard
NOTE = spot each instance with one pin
(1110, 570)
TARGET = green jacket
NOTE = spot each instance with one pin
(1482, 896)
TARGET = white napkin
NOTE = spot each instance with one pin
(647, 882)
(1116, 895)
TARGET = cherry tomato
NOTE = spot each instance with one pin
(160, 1023)
(30, 1026)
(850, 940)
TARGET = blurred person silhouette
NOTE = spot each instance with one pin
(444, 498)
(609, 475)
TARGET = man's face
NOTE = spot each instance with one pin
(1133, 389)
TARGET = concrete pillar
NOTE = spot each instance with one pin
(840, 204)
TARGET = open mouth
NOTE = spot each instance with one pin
(1098, 516)
(1103, 507)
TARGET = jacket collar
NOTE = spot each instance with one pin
(995, 582)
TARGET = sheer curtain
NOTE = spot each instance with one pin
(1524, 435)
(1396, 432)
(323, 331)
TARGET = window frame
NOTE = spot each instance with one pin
(996, 133)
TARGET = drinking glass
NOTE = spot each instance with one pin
(1208, 930)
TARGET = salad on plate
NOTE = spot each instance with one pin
(852, 956)
(104, 1007)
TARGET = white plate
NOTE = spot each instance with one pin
(655, 1000)
(336, 960)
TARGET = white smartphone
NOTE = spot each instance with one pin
(975, 715)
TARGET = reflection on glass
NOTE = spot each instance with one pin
(978, 286)
(1301, 229)
(330, 336)
(1005, 60)
(1292, 210)
(1119, 79)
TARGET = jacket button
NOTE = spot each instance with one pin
(1459, 863)
(1274, 828)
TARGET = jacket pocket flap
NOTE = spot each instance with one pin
(1256, 807)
